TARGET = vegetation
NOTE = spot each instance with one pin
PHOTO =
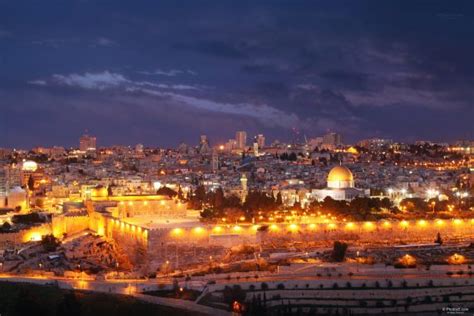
(166, 191)
(339, 251)
(28, 219)
(17, 299)
(50, 243)
(233, 294)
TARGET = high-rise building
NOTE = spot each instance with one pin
(230, 145)
(203, 144)
(87, 143)
(203, 140)
(241, 139)
(260, 141)
(3, 186)
(139, 148)
(332, 139)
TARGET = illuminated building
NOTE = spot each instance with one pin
(241, 139)
(87, 143)
(340, 186)
(3, 187)
(260, 141)
(332, 140)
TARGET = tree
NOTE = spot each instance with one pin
(27, 304)
(69, 306)
(200, 193)
(339, 251)
(6, 226)
(30, 218)
(218, 202)
(233, 294)
(166, 191)
(31, 183)
(50, 243)
(180, 193)
(279, 199)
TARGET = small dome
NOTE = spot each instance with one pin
(340, 177)
(29, 166)
(17, 190)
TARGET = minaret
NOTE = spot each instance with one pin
(243, 183)
(255, 149)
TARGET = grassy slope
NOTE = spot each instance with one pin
(28, 299)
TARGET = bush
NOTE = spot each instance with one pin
(50, 243)
(232, 294)
(31, 218)
(339, 251)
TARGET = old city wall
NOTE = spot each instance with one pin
(69, 225)
(371, 233)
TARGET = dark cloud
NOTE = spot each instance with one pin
(168, 72)
(215, 48)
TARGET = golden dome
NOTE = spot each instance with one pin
(340, 177)
(29, 166)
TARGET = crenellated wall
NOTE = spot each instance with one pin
(67, 224)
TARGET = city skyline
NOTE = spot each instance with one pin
(161, 75)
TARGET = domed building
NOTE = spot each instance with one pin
(340, 177)
(340, 186)
(29, 166)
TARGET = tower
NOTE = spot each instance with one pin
(214, 161)
(241, 139)
(243, 184)
(87, 143)
(255, 149)
(260, 141)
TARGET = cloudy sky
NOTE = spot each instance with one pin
(162, 72)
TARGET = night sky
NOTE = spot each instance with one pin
(163, 72)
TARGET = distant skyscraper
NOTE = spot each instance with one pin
(139, 148)
(203, 144)
(230, 145)
(87, 143)
(241, 139)
(3, 186)
(203, 140)
(332, 139)
(260, 141)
